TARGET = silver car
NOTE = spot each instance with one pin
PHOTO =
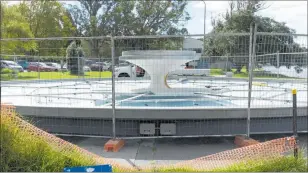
(11, 65)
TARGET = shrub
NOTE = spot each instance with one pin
(22, 152)
(6, 71)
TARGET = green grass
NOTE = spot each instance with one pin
(107, 74)
(55, 75)
(20, 151)
(23, 152)
(244, 74)
(281, 164)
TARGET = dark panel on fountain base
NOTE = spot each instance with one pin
(130, 128)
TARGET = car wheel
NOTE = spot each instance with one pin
(123, 75)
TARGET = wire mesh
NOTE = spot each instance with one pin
(258, 152)
(280, 65)
(161, 89)
(60, 75)
(174, 95)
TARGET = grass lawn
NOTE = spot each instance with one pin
(55, 75)
(244, 74)
(107, 74)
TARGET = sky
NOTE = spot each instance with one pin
(293, 13)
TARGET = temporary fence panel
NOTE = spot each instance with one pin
(158, 90)
(178, 94)
(60, 89)
(280, 65)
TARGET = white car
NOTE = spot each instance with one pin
(125, 70)
(85, 68)
(55, 65)
(11, 65)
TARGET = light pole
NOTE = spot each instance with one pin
(204, 20)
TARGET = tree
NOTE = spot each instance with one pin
(240, 21)
(48, 19)
(75, 58)
(15, 25)
(97, 18)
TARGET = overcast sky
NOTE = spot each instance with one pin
(293, 13)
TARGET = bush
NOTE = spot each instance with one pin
(6, 71)
(22, 152)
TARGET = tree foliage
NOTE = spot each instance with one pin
(15, 25)
(48, 19)
(74, 58)
(121, 17)
(238, 19)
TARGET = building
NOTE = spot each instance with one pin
(193, 44)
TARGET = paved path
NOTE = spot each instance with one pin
(143, 152)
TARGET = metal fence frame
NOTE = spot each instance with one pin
(252, 56)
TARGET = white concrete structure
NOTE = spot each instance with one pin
(193, 44)
(158, 64)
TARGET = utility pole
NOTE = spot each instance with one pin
(204, 19)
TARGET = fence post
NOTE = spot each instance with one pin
(113, 90)
(100, 61)
(78, 68)
(250, 73)
(294, 93)
(277, 59)
(38, 68)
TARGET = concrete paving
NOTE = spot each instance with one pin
(142, 152)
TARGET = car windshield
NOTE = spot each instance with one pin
(11, 63)
(43, 64)
(53, 64)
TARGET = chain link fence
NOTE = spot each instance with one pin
(153, 86)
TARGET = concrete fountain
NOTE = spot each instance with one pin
(158, 64)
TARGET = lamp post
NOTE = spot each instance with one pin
(204, 20)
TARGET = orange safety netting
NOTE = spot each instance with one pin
(269, 149)
(266, 150)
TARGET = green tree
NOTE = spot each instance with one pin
(15, 25)
(238, 19)
(75, 58)
(97, 18)
(48, 19)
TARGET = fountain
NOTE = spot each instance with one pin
(214, 106)
(158, 63)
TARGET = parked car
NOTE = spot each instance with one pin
(23, 63)
(85, 68)
(54, 65)
(89, 62)
(99, 66)
(39, 66)
(11, 65)
(129, 70)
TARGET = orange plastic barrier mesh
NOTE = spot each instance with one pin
(269, 149)
(58, 143)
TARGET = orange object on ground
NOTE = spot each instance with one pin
(114, 145)
(242, 141)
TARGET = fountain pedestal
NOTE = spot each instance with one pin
(158, 63)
